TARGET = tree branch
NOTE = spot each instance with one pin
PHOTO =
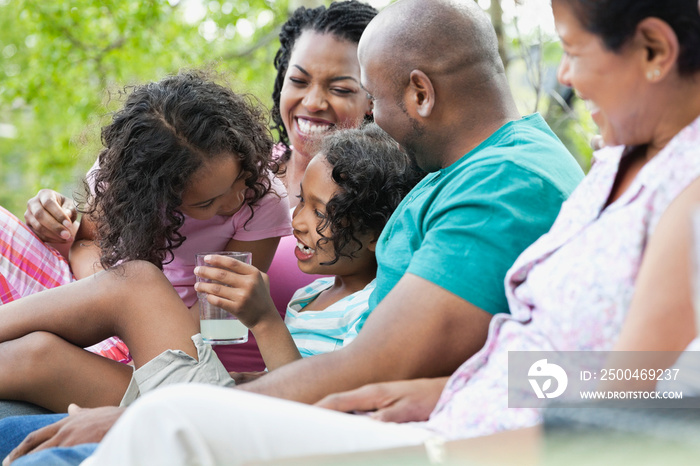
(263, 41)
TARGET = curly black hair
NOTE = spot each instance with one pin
(165, 131)
(373, 174)
(615, 22)
(345, 20)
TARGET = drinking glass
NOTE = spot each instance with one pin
(218, 326)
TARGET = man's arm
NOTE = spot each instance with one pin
(418, 330)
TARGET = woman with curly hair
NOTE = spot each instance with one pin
(185, 167)
(317, 89)
(349, 192)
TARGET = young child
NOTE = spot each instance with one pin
(185, 168)
(349, 192)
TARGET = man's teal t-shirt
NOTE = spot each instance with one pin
(463, 226)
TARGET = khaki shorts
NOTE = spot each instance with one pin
(176, 366)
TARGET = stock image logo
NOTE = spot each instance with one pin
(540, 376)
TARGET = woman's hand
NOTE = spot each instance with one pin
(51, 216)
(400, 401)
(242, 290)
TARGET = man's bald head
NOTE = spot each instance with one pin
(435, 36)
(437, 79)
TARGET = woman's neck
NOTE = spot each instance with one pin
(677, 107)
(294, 169)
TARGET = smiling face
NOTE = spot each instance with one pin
(613, 85)
(321, 89)
(216, 188)
(317, 189)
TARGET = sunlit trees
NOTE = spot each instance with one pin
(60, 59)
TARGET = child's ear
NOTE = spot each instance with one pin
(372, 245)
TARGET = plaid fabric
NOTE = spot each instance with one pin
(112, 348)
(28, 265)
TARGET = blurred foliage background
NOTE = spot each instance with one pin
(62, 61)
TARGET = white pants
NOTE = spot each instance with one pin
(208, 425)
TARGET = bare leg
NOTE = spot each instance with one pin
(44, 369)
(134, 301)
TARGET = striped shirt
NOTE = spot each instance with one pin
(317, 332)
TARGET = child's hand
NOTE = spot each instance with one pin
(242, 290)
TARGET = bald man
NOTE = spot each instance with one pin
(496, 183)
